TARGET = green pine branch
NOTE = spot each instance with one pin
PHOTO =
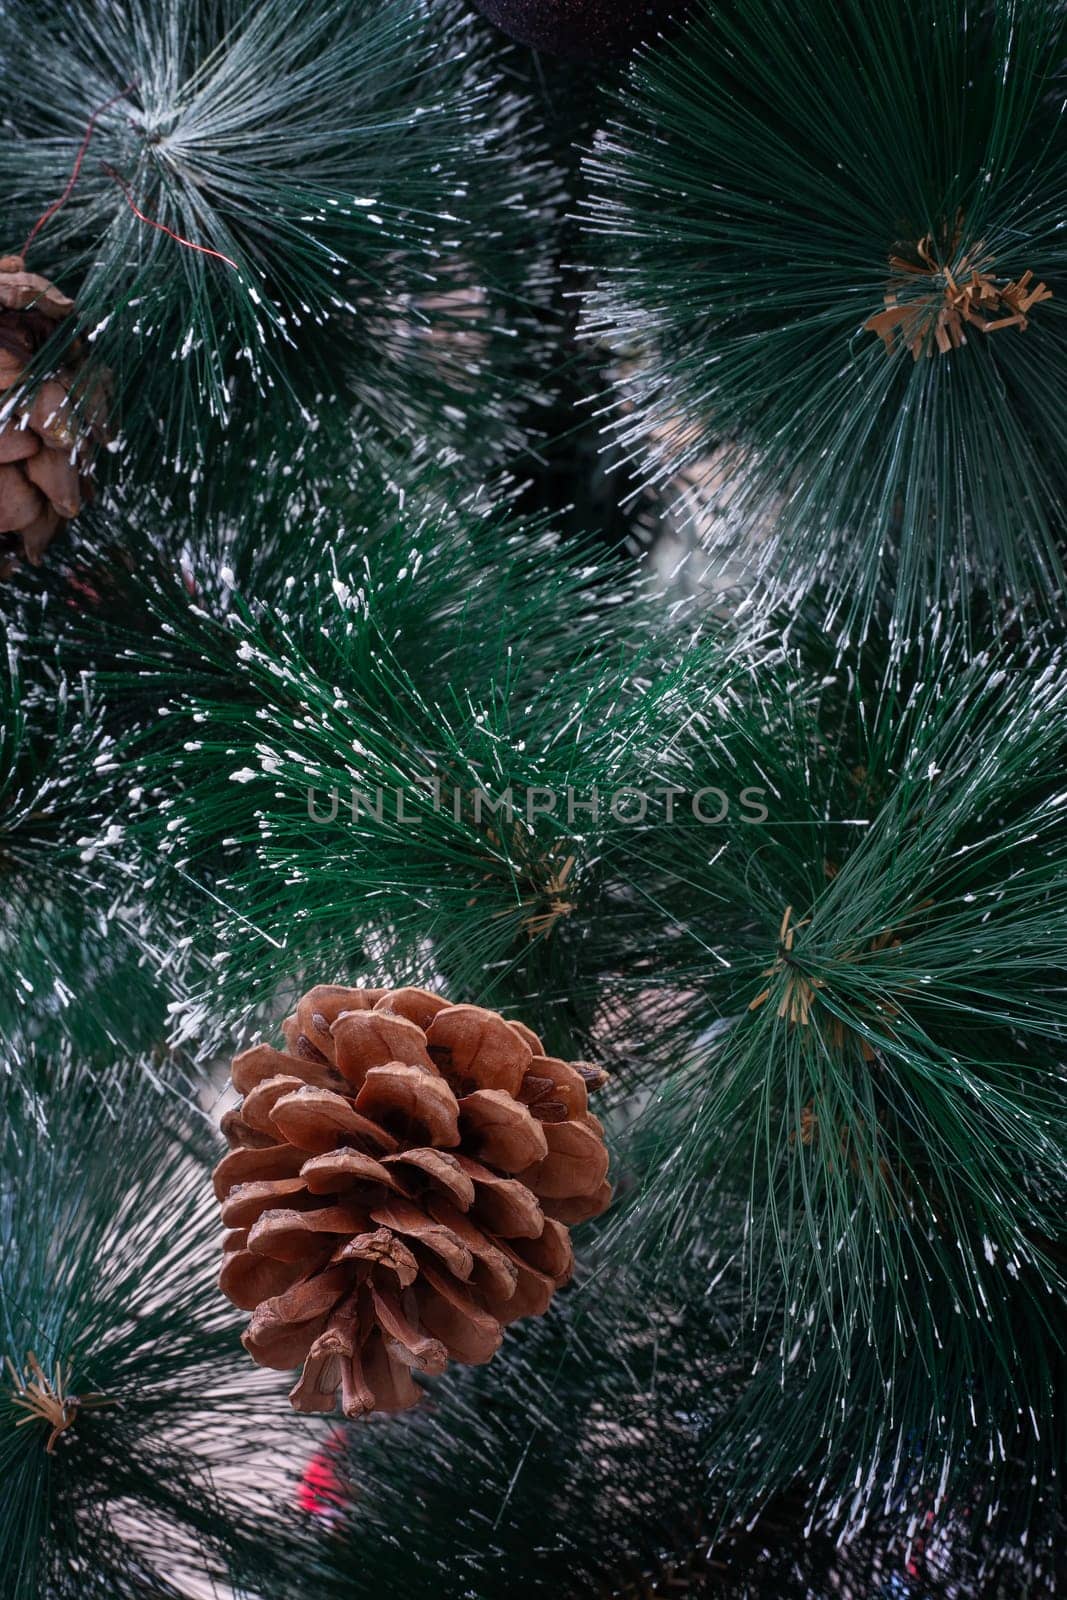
(360, 748)
(759, 188)
(364, 225)
(135, 1444)
(73, 932)
(870, 1048)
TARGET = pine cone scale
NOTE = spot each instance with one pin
(574, 1166)
(404, 1340)
(469, 1333)
(383, 1191)
(246, 1202)
(19, 501)
(411, 1103)
(253, 1164)
(262, 1061)
(17, 444)
(46, 447)
(247, 1280)
(317, 1120)
(501, 1132)
(438, 1168)
(340, 1169)
(284, 1235)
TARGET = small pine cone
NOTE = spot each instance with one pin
(46, 439)
(398, 1188)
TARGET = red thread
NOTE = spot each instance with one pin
(65, 196)
(162, 227)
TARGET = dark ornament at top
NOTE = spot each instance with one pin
(585, 29)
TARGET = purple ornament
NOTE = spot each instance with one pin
(586, 29)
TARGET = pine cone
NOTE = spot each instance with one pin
(46, 444)
(398, 1187)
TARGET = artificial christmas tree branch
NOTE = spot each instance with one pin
(887, 1088)
(71, 923)
(418, 786)
(120, 1433)
(753, 190)
(234, 212)
(335, 704)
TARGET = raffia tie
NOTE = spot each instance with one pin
(548, 878)
(799, 991)
(554, 896)
(44, 1397)
(969, 297)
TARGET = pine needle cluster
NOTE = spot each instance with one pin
(874, 974)
(72, 920)
(815, 226)
(135, 1452)
(289, 217)
(417, 765)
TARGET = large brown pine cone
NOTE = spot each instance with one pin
(399, 1186)
(46, 444)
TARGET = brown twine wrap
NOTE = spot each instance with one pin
(45, 1398)
(969, 296)
(799, 990)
